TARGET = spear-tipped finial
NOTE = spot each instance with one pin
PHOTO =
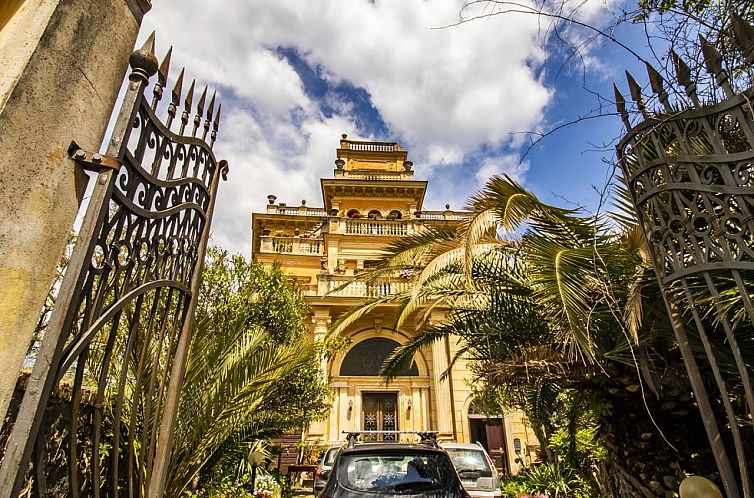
(635, 90)
(162, 72)
(187, 107)
(713, 61)
(657, 83)
(208, 120)
(211, 107)
(620, 105)
(177, 89)
(215, 125)
(744, 36)
(683, 77)
(189, 97)
(199, 111)
(175, 98)
(200, 105)
(143, 61)
(162, 78)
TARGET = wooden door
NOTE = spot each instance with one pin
(380, 413)
(496, 443)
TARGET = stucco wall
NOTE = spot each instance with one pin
(63, 63)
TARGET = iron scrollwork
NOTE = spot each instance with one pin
(120, 345)
(690, 173)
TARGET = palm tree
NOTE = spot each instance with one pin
(545, 300)
(230, 376)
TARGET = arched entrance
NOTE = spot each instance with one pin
(364, 400)
(366, 358)
(489, 431)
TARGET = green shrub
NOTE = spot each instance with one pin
(554, 481)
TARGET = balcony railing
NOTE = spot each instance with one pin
(374, 175)
(374, 227)
(295, 210)
(371, 146)
(360, 288)
(445, 215)
(292, 245)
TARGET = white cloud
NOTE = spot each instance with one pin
(446, 93)
(508, 164)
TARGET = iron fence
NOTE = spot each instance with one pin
(689, 168)
(120, 330)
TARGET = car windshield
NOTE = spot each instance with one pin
(396, 472)
(469, 460)
(330, 456)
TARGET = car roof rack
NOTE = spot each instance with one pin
(425, 436)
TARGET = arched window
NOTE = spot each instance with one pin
(374, 214)
(394, 215)
(366, 358)
(353, 213)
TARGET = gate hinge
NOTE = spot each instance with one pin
(92, 160)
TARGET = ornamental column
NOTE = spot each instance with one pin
(321, 321)
(63, 62)
(442, 396)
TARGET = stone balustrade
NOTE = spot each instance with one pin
(292, 245)
(445, 215)
(302, 210)
(374, 175)
(348, 286)
(377, 227)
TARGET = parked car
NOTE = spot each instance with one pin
(475, 468)
(324, 468)
(393, 470)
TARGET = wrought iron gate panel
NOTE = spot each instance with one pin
(124, 325)
(690, 174)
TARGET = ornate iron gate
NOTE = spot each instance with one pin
(691, 178)
(119, 334)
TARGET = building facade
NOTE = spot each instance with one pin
(372, 200)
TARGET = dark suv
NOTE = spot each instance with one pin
(393, 469)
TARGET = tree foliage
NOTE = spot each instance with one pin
(560, 316)
(251, 372)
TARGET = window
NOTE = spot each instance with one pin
(366, 358)
(395, 472)
(330, 456)
(374, 214)
(470, 460)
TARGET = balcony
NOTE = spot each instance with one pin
(284, 209)
(378, 227)
(446, 215)
(291, 245)
(370, 146)
(374, 175)
(359, 288)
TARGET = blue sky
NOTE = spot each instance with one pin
(294, 75)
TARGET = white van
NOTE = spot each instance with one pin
(475, 468)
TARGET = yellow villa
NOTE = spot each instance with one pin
(371, 200)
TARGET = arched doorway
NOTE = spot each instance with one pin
(366, 402)
(489, 431)
(366, 358)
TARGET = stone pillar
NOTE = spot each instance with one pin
(442, 390)
(321, 321)
(416, 413)
(425, 410)
(63, 62)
